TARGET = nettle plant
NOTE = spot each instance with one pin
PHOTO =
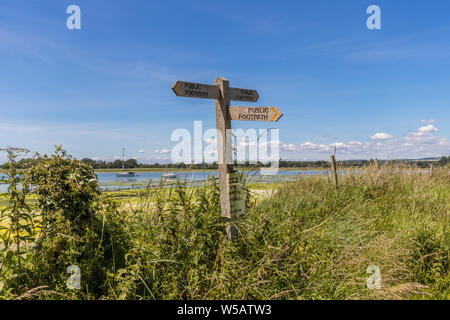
(17, 224)
(71, 226)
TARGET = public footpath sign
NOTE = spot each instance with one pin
(232, 192)
(272, 114)
(207, 91)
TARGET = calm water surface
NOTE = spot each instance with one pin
(109, 180)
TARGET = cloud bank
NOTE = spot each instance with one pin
(421, 143)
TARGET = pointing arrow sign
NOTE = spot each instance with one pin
(207, 91)
(195, 90)
(248, 95)
(271, 114)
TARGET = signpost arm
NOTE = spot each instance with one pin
(224, 148)
(334, 172)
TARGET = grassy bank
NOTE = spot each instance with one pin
(304, 240)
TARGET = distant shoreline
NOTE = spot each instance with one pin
(197, 170)
(184, 170)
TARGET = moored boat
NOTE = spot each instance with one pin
(125, 174)
(167, 175)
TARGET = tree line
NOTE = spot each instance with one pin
(134, 164)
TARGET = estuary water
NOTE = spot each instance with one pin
(109, 180)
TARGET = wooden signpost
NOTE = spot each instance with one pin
(207, 91)
(195, 90)
(272, 114)
(232, 196)
(237, 94)
(236, 190)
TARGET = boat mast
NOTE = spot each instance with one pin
(123, 159)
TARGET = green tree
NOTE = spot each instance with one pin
(444, 160)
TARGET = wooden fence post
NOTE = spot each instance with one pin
(334, 172)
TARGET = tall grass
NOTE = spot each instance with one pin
(305, 240)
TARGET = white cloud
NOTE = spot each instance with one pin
(422, 143)
(270, 144)
(428, 128)
(428, 121)
(141, 151)
(381, 136)
(162, 151)
(289, 147)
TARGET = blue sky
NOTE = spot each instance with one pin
(373, 93)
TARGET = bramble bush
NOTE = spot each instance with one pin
(72, 225)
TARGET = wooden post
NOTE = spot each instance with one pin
(224, 148)
(431, 170)
(334, 172)
(232, 201)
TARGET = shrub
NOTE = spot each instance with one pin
(75, 227)
(305, 241)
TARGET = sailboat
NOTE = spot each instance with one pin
(168, 175)
(125, 174)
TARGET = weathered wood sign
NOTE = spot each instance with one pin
(271, 114)
(195, 90)
(243, 95)
(232, 192)
(207, 91)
